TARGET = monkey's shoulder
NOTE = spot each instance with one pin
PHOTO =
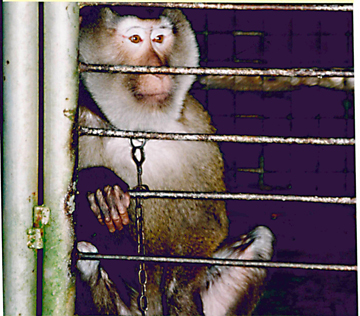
(195, 118)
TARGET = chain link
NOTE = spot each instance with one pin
(138, 149)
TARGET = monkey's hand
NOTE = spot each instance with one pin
(110, 206)
(107, 195)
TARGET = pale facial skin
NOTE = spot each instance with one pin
(142, 43)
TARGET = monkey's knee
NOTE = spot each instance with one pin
(236, 290)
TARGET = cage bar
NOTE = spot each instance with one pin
(201, 71)
(61, 21)
(275, 83)
(20, 160)
(216, 138)
(242, 196)
(230, 6)
(221, 262)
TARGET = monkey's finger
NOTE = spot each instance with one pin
(105, 210)
(122, 203)
(111, 201)
(94, 207)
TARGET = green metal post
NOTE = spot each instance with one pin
(61, 21)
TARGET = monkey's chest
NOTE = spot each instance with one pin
(167, 165)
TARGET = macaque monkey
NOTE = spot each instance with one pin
(173, 227)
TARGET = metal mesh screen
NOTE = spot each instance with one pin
(285, 106)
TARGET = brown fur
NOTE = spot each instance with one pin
(183, 227)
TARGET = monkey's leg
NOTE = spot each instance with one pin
(103, 291)
(236, 290)
(106, 195)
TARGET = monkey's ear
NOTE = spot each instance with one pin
(109, 17)
(185, 52)
(177, 18)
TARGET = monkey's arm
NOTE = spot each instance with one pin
(106, 195)
(235, 290)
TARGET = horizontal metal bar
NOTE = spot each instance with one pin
(229, 6)
(242, 196)
(215, 138)
(294, 72)
(250, 33)
(220, 262)
(264, 83)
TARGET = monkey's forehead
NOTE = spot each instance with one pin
(129, 22)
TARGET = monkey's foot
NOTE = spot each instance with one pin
(88, 268)
(110, 207)
(103, 290)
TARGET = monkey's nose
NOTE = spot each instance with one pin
(157, 76)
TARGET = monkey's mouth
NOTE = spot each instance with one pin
(152, 97)
(152, 89)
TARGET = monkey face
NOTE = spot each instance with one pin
(135, 42)
(147, 43)
(134, 101)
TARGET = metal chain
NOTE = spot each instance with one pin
(142, 275)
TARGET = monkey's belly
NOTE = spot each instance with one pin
(183, 227)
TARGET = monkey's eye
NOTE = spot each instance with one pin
(135, 39)
(159, 39)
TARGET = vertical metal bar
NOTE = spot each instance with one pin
(61, 20)
(356, 51)
(20, 160)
